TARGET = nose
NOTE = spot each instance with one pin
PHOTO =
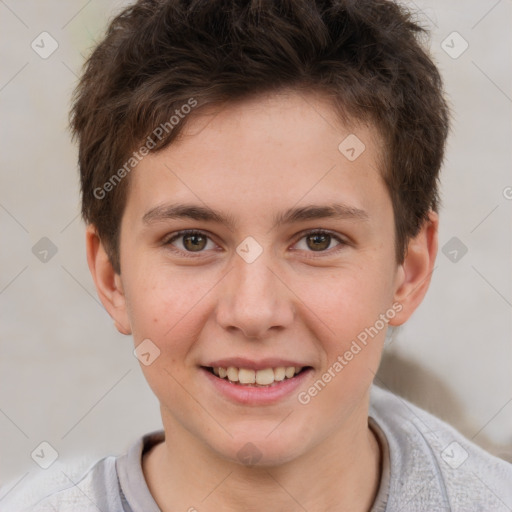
(254, 300)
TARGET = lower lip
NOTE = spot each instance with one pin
(252, 395)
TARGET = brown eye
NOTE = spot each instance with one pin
(194, 242)
(191, 241)
(318, 241)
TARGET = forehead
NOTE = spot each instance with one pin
(270, 150)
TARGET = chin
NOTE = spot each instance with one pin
(259, 450)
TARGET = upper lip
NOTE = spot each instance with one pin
(241, 362)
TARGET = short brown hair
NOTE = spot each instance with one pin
(366, 56)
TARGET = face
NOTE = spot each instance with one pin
(254, 243)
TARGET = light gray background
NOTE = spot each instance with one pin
(67, 377)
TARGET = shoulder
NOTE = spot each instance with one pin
(78, 486)
(432, 464)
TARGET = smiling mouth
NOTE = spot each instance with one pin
(267, 377)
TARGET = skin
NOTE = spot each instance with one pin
(251, 161)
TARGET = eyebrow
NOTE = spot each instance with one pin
(337, 211)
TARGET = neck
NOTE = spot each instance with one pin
(341, 473)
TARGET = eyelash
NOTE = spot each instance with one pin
(303, 234)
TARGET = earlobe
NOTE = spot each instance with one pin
(415, 273)
(108, 283)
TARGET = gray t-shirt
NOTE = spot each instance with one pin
(426, 466)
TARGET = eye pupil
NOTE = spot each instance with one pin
(194, 242)
(318, 241)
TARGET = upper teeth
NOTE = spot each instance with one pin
(262, 377)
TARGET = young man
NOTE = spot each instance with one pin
(259, 181)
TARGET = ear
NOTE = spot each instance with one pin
(415, 273)
(108, 283)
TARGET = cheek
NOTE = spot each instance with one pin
(171, 312)
(346, 301)
(346, 309)
(156, 298)
(169, 308)
(346, 312)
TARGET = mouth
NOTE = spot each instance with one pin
(263, 378)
